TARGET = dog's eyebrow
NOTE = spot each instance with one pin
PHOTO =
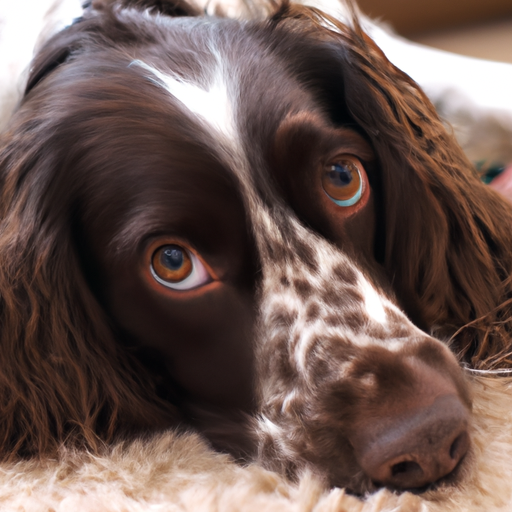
(156, 209)
(212, 105)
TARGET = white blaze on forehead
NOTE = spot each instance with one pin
(373, 302)
(212, 105)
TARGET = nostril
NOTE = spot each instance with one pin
(459, 446)
(416, 450)
(406, 467)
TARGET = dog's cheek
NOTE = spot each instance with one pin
(204, 341)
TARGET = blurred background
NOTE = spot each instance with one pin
(478, 28)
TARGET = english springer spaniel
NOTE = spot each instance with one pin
(260, 229)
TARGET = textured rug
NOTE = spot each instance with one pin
(178, 472)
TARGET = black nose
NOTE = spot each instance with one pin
(419, 448)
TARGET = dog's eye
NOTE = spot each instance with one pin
(342, 181)
(178, 268)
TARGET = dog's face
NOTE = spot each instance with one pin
(226, 206)
(173, 233)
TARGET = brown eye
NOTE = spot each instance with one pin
(342, 181)
(177, 267)
(171, 263)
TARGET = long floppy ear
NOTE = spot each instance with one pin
(448, 244)
(63, 374)
(448, 237)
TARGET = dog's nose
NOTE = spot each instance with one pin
(418, 449)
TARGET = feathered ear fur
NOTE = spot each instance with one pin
(63, 374)
(448, 237)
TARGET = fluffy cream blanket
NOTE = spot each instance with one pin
(174, 472)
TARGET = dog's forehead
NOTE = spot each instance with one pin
(195, 121)
(220, 77)
(237, 88)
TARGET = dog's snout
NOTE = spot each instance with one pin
(412, 426)
(419, 448)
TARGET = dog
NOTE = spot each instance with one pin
(257, 229)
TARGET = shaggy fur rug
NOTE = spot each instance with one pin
(178, 472)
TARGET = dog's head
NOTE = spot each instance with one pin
(203, 217)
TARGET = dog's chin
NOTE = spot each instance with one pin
(227, 431)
